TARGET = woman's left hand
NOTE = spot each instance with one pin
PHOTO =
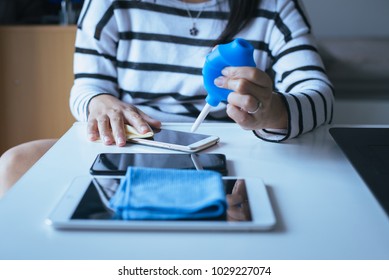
(252, 103)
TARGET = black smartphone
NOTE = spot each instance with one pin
(117, 163)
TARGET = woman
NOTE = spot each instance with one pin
(139, 63)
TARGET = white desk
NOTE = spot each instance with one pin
(324, 209)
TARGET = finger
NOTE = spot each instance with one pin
(246, 95)
(151, 121)
(252, 74)
(135, 118)
(246, 121)
(117, 125)
(239, 85)
(245, 102)
(103, 124)
(92, 130)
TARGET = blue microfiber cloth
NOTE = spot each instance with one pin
(169, 194)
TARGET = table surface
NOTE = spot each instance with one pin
(324, 209)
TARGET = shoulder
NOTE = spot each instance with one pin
(278, 5)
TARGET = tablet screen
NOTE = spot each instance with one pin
(94, 204)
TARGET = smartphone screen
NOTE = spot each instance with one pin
(117, 163)
(178, 140)
(177, 137)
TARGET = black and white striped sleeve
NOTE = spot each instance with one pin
(300, 77)
(95, 56)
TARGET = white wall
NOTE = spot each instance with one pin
(349, 18)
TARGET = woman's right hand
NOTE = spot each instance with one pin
(108, 115)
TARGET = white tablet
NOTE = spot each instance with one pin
(85, 206)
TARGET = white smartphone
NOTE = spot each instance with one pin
(178, 140)
(85, 205)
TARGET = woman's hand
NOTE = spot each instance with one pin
(252, 104)
(108, 115)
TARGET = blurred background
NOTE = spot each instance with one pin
(353, 37)
(36, 55)
(38, 11)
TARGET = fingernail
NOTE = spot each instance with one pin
(120, 141)
(92, 137)
(144, 129)
(219, 81)
(106, 139)
(225, 71)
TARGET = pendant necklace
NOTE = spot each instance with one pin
(194, 30)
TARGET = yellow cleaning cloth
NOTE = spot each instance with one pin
(132, 133)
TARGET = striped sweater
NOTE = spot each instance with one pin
(143, 53)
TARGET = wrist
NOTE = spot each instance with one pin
(279, 113)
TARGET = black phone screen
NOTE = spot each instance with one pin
(117, 163)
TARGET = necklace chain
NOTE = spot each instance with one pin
(194, 30)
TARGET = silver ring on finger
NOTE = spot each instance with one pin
(259, 106)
